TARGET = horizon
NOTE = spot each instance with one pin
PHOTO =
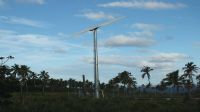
(40, 34)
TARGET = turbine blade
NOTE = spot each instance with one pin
(98, 26)
(110, 22)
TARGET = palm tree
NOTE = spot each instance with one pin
(172, 79)
(33, 76)
(126, 79)
(4, 71)
(132, 82)
(112, 85)
(198, 80)
(72, 84)
(24, 72)
(4, 84)
(44, 77)
(189, 70)
(146, 70)
(15, 70)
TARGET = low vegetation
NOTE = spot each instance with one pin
(61, 102)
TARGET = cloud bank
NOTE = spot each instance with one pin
(21, 21)
(150, 5)
(128, 41)
(142, 38)
(92, 15)
(40, 2)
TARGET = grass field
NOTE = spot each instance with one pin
(61, 102)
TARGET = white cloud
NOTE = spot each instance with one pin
(142, 38)
(123, 40)
(168, 57)
(146, 27)
(144, 5)
(35, 39)
(11, 40)
(40, 2)
(165, 61)
(109, 60)
(6, 32)
(21, 21)
(96, 15)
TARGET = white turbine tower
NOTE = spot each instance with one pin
(94, 30)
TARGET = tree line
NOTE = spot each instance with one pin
(20, 78)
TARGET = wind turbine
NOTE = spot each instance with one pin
(95, 50)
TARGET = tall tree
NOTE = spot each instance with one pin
(44, 76)
(198, 80)
(146, 72)
(132, 82)
(126, 79)
(15, 70)
(23, 75)
(72, 84)
(4, 71)
(189, 70)
(172, 79)
(112, 85)
(4, 85)
(33, 77)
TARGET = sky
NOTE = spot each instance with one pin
(162, 34)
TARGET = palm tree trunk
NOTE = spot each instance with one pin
(43, 90)
(113, 92)
(21, 94)
(26, 87)
(149, 81)
(177, 89)
(34, 83)
(21, 90)
(189, 92)
(190, 85)
(124, 90)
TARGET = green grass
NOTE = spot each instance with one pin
(60, 102)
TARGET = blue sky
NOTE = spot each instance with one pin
(163, 34)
